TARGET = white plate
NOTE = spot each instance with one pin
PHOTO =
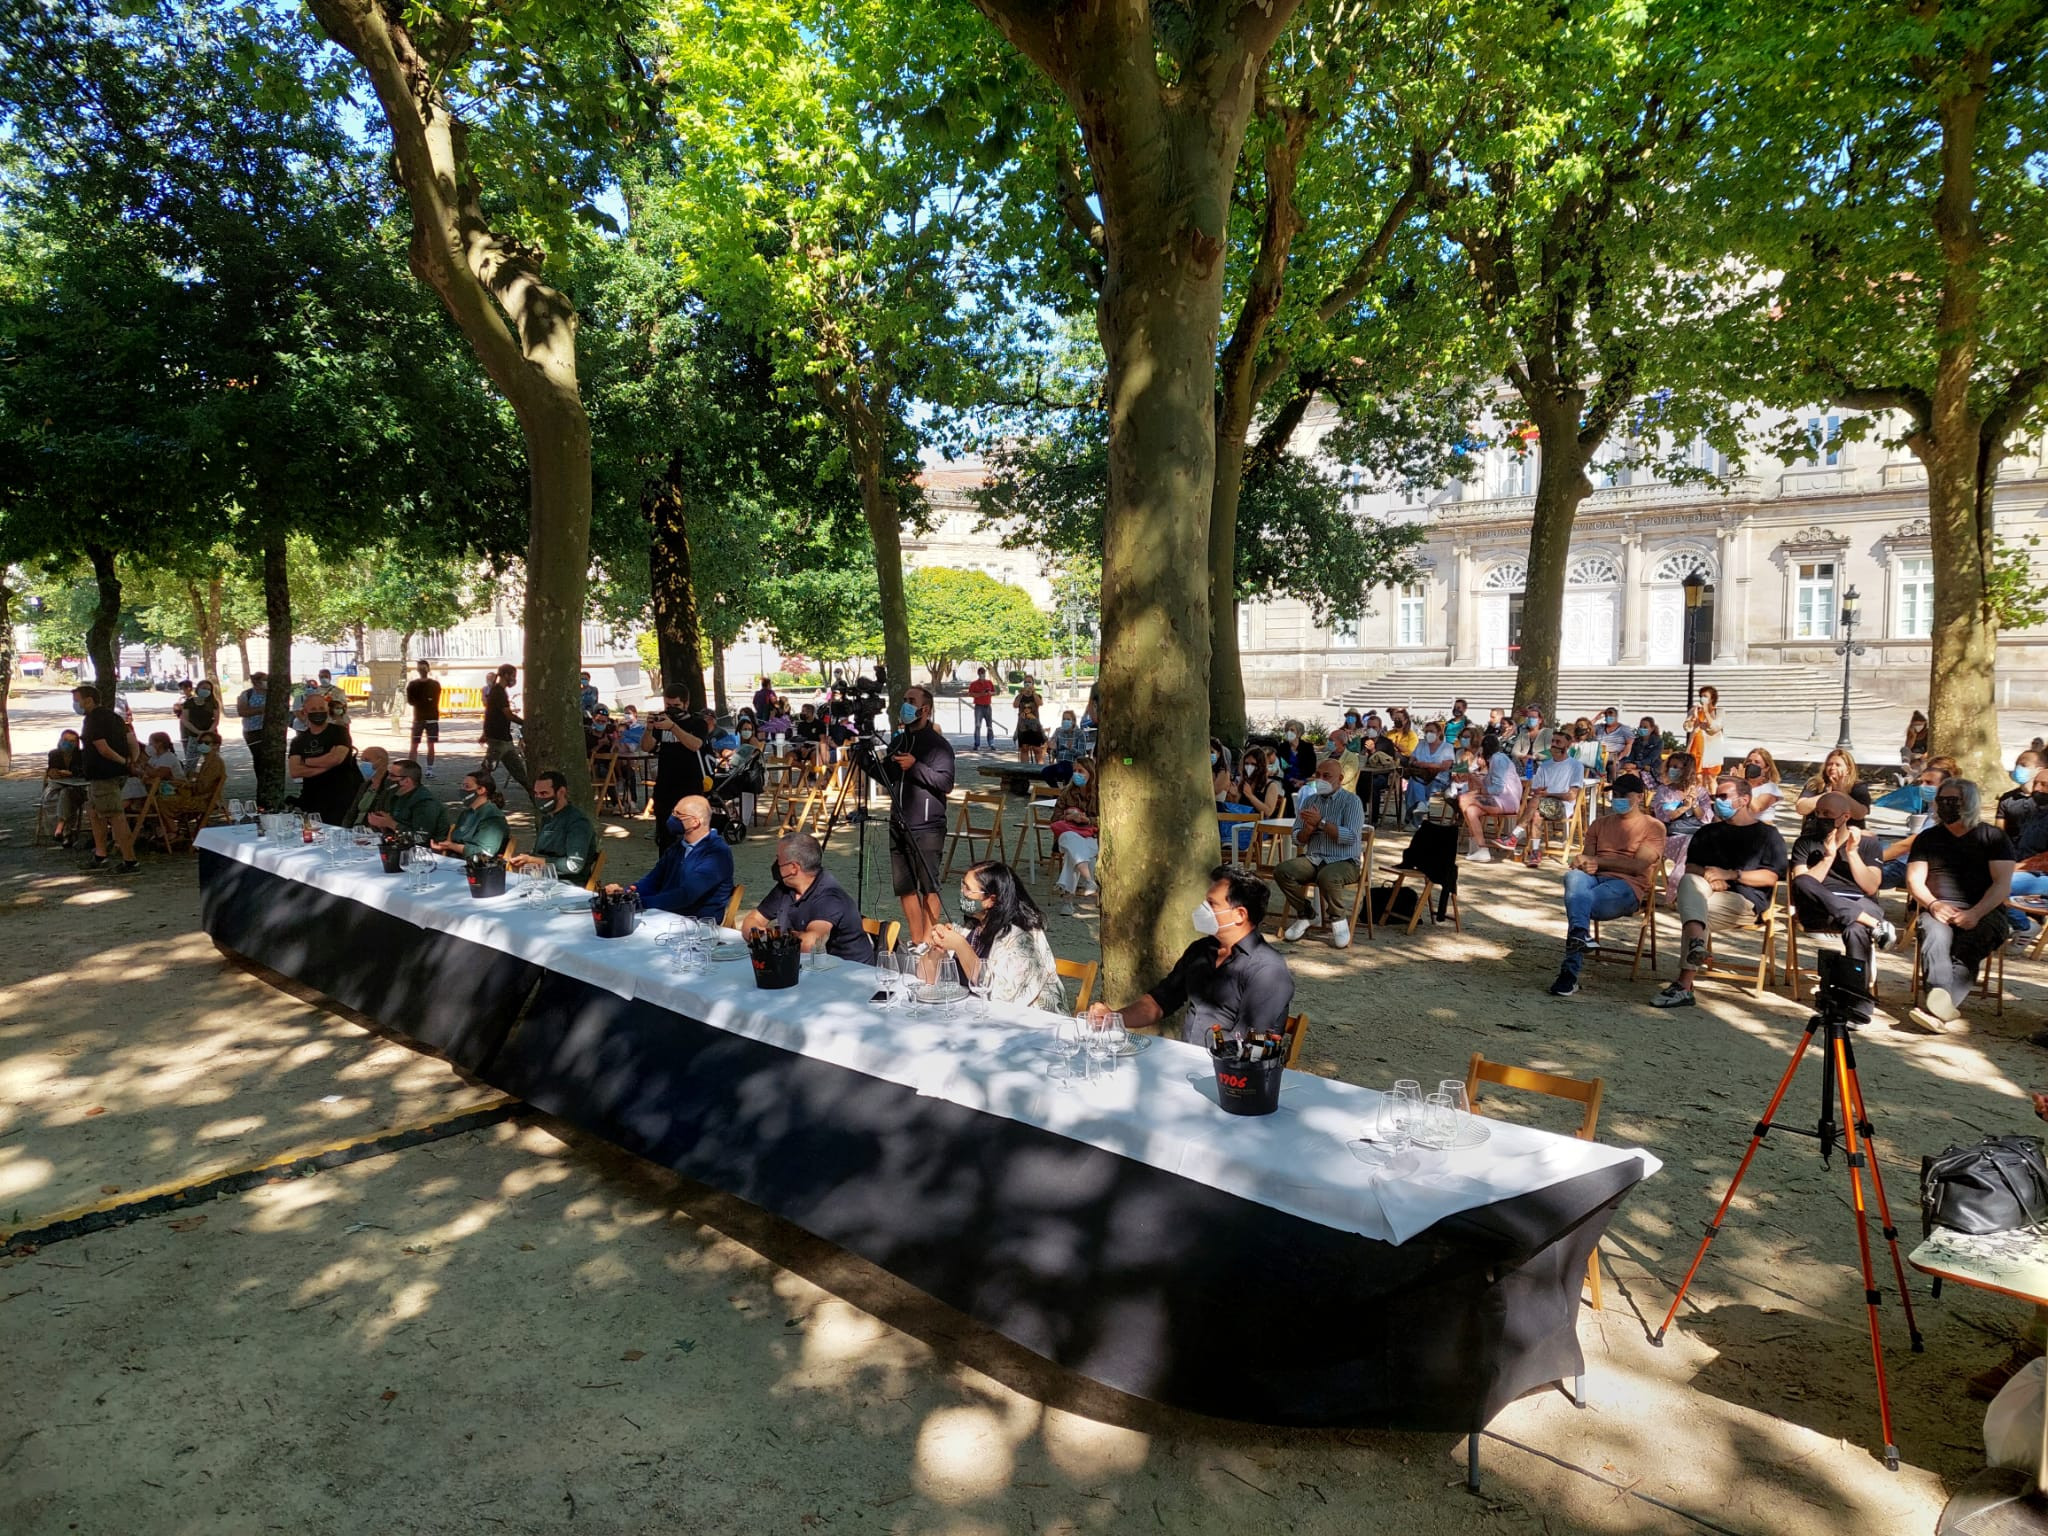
(731, 952)
(1472, 1132)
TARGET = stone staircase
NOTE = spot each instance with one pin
(1759, 703)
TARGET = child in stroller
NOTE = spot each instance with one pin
(738, 778)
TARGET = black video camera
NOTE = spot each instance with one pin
(1844, 987)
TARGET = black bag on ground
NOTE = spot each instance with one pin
(1997, 1185)
(1391, 905)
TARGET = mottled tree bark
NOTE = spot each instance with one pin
(103, 635)
(271, 784)
(677, 632)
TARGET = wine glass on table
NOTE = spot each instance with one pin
(1064, 1046)
(1105, 1034)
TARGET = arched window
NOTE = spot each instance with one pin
(1508, 576)
(1679, 564)
(1593, 571)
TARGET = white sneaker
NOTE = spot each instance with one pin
(427, 772)
(1479, 856)
(1340, 934)
(1941, 1005)
(1294, 930)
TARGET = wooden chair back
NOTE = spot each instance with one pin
(984, 828)
(1583, 1091)
(733, 908)
(595, 879)
(1296, 1031)
(1646, 929)
(884, 934)
(1228, 836)
(1083, 971)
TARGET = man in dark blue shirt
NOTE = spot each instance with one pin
(694, 875)
(808, 902)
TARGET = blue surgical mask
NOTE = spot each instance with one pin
(1623, 804)
(2024, 776)
(907, 713)
(369, 770)
(1081, 778)
(1725, 809)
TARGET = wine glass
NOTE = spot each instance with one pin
(1102, 1044)
(1065, 1043)
(1408, 1106)
(234, 813)
(365, 840)
(1391, 1126)
(1453, 1090)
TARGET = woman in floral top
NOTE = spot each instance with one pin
(1001, 947)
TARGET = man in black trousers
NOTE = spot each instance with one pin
(918, 773)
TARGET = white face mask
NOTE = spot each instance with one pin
(1204, 919)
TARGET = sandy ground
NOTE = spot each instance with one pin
(518, 1330)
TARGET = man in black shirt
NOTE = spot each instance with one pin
(498, 722)
(104, 747)
(918, 773)
(808, 902)
(1732, 870)
(1960, 873)
(322, 762)
(676, 737)
(423, 698)
(1835, 878)
(1230, 977)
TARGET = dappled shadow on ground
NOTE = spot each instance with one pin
(501, 1332)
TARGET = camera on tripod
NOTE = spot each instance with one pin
(1844, 988)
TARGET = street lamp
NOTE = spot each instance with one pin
(1847, 650)
(1695, 585)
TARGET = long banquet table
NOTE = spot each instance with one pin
(1125, 1227)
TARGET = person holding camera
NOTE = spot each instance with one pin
(678, 743)
(918, 773)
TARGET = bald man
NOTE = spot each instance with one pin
(379, 787)
(693, 876)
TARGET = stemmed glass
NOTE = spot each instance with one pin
(365, 840)
(1391, 1127)
(1062, 1048)
(234, 813)
(1104, 1039)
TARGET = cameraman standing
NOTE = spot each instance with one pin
(918, 773)
(676, 738)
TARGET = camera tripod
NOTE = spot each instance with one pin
(859, 818)
(1838, 1077)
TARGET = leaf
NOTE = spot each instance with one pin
(526, 1248)
(388, 1394)
(634, 1354)
(110, 1189)
(97, 1109)
(188, 1223)
(417, 1248)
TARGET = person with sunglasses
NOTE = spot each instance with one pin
(1960, 874)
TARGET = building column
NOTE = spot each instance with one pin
(1732, 597)
(1632, 601)
(1461, 606)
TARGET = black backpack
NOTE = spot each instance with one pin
(1997, 1185)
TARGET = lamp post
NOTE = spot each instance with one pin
(1848, 650)
(1695, 585)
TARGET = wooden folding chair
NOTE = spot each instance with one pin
(988, 831)
(604, 774)
(733, 908)
(1990, 975)
(594, 879)
(1270, 845)
(884, 934)
(1083, 971)
(1296, 1031)
(2035, 907)
(1571, 840)
(1402, 875)
(1646, 931)
(1227, 835)
(1037, 825)
(1765, 971)
(172, 822)
(1586, 1091)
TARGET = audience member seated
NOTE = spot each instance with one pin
(1530, 741)
(1001, 946)
(1838, 776)
(1733, 866)
(1068, 744)
(1612, 877)
(379, 787)
(2029, 836)
(2028, 776)
(1837, 868)
(480, 830)
(1257, 788)
(188, 804)
(66, 761)
(1765, 789)
(1495, 789)
(1680, 802)
(566, 838)
(1560, 781)
(1230, 978)
(1960, 872)
(1917, 801)
(693, 876)
(1078, 836)
(806, 901)
(1429, 767)
(1297, 758)
(1329, 834)
(1645, 755)
(1615, 740)
(414, 809)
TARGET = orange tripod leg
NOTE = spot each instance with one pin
(1856, 1161)
(1861, 1119)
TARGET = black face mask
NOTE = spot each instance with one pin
(1752, 770)
(2039, 798)
(1948, 812)
(316, 721)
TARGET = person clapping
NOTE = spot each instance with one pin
(1000, 944)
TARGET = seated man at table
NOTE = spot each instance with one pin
(1330, 836)
(1230, 977)
(809, 903)
(1612, 877)
(567, 837)
(379, 787)
(693, 876)
(1732, 869)
(480, 831)
(413, 808)
(1960, 873)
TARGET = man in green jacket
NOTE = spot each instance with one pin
(567, 838)
(413, 808)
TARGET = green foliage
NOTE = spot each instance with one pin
(825, 614)
(2018, 595)
(958, 616)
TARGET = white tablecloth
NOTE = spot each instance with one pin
(1158, 1107)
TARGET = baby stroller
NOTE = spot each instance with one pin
(728, 808)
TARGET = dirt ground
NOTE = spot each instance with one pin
(519, 1330)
